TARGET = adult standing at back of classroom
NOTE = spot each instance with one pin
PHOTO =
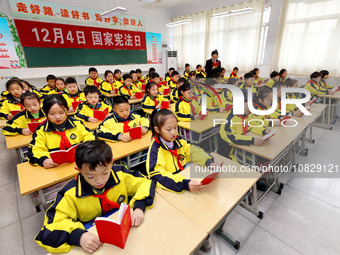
(213, 65)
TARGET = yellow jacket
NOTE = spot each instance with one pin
(128, 92)
(90, 81)
(55, 91)
(289, 107)
(4, 94)
(270, 83)
(162, 165)
(47, 88)
(226, 97)
(172, 84)
(79, 96)
(44, 140)
(138, 84)
(8, 105)
(20, 121)
(275, 115)
(185, 110)
(325, 85)
(174, 95)
(106, 87)
(84, 111)
(244, 87)
(75, 205)
(201, 72)
(315, 88)
(148, 101)
(113, 126)
(186, 74)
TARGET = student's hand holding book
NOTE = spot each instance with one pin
(113, 92)
(158, 106)
(124, 138)
(133, 97)
(48, 163)
(144, 130)
(70, 109)
(195, 186)
(258, 141)
(9, 116)
(90, 242)
(137, 217)
(93, 120)
(26, 131)
(297, 113)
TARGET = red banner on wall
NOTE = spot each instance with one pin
(53, 35)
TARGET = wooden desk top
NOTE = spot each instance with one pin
(110, 95)
(165, 230)
(216, 199)
(92, 126)
(135, 101)
(335, 96)
(199, 126)
(2, 123)
(317, 107)
(149, 111)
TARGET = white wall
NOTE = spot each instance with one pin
(154, 21)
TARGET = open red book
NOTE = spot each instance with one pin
(162, 83)
(135, 133)
(33, 125)
(270, 134)
(166, 91)
(64, 156)
(15, 112)
(165, 104)
(75, 104)
(209, 178)
(259, 83)
(139, 95)
(203, 116)
(115, 232)
(100, 115)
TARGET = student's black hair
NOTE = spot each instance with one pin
(29, 95)
(70, 80)
(13, 81)
(290, 82)
(53, 99)
(154, 75)
(279, 84)
(192, 73)
(117, 71)
(60, 79)
(222, 69)
(282, 71)
(315, 75)
(174, 73)
(274, 74)
(120, 100)
(152, 70)
(158, 118)
(50, 77)
(132, 72)
(149, 85)
(262, 94)
(217, 75)
(198, 66)
(171, 69)
(92, 69)
(232, 81)
(107, 72)
(91, 90)
(138, 70)
(184, 87)
(181, 80)
(214, 52)
(200, 76)
(93, 153)
(235, 68)
(127, 76)
(187, 64)
(254, 71)
(324, 73)
(30, 85)
(249, 75)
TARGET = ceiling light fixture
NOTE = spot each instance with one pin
(232, 13)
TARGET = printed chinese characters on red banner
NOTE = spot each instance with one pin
(53, 35)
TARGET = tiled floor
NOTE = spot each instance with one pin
(305, 219)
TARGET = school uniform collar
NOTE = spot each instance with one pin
(261, 106)
(98, 105)
(48, 127)
(12, 99)
(117, 118)
(184, 99)
(84, 189)
(29, 115)
(177, 143)
(127, 87)
(75, 95)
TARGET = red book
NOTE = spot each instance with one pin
(64, 156)
(165, 104)
(228, 107)
(33, 125)
(116, 90)
(139, 95)
(143, 86)
(15, 112)
(209, 178)
(215, 63)
(115, 232)
(100, 115)
(259, 83)
(269, 135)
(285, 118)
(75, 104)
(166, 91)
(135, 133)
(310, 105)
(266, 80)
(162, 83)
(203, 116)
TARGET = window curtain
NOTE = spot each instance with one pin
(310, 38)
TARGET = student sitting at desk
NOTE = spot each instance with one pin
(94, 79)
(85, 110)
(199, 70)
(162, 86)
(226, 95)
(186, 71)
(50, 84)
(168, 154)
(314, 86)
(59, 87)
(117, 75)
(168, 74)
(172, 83)
(283, 75)
(99, 188)
(27, 87)
(59, 132)
(174, 91)
(249, 79)
(140, 77)
(72, 93)
(185, 108)
(32, 113)
(135, 80)
(109, 86)
(128, 89)
(149, 75)
(234, 73)
(152, 100)
(324, 77)
(12, 103)
(274, 76)
(120, 121)
(256, 72)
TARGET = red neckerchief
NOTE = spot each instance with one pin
(126, 127)
(95, 82)
(260, 108)
(244, 127)
(188, 102)
(173, 80)
(128, 90)
(111, 83)
(64, 142)
(107, 204)
(173, 152)
(233, 74)
(314, 82)
(155, 100)
(37, 119)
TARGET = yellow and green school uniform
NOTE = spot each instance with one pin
(79, 96)
(20, 121)
(106, 87)
(324, 84)
(48, 137)
(47, 88)
(85, 110)
(128, 92)
(114, 126)
(165, 163)
(78, 202)
(93, 82)
(8, 105)
(315, 88)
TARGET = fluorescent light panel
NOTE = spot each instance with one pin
(113, 12)
(232, 13)
(178, 23)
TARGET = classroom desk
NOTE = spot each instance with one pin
(209, 209)
(2, 123)
(165, 230)
(328, 117)
(135, 103)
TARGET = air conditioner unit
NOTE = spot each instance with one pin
(172, 60)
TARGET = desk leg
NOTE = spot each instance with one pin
(128, 162)
(310, 138)
(326, 125)
(42, 199)
(227, 237)
(21, 155)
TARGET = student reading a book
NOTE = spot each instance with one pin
(32, 113)
(152, 100)
(226, 95)
(99, 188)
(172, 83)
(94, 79)
(109, 86)
(249, 79)
(185, 108)
(234, 73)
(27, 87)
(135, 80)
(72, 93)
(324, 77)
(86, 110)
(314, 86)
(283, 74)
(49, 86)
(256, 72)
(168, 74)
(149, 75)
(128, 89)
(12, 103)
(274, 76)
(140, 77)
(117, 125)
(59, 132)
(199, 70)
(174, 91)
(59, 87)
(186, 71)
(118, 77)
